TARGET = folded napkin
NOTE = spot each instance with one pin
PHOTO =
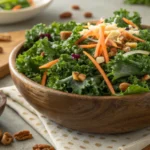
(66, 139)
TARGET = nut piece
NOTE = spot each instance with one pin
(7, 139)
(23, 135)
(147, 147)
(75, 76)
(123, 86)
(81, 77)
(88, 15)
(76, 7)
(5, 38)
(65, 15)
(65, 35)
(1, 50)
(131, 44)
(43, 147)
(100, 59)
(146, 77)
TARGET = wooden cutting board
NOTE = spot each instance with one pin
(16, 38)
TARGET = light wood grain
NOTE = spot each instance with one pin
(17, 37)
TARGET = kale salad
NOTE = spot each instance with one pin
(103, 58)
(15, 4)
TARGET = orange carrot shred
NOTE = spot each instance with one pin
(84, 37)
(49, 64)
(17, 7)
(129, 35)
(101, 72)
(88, 46)
(44, 77)
(129, 22)
(105, 53)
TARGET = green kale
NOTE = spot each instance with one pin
(136, 89)
(9, 4)
(118, 15)
(53, 30)
(144, 2)
(132, 65)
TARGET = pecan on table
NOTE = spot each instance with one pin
(23, 135)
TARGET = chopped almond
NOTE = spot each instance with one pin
(126, 49)
(65, 34)
(123, 86)
(81, 77)
(131, 44)
(146, 77)
(75, 76)
(100, 59)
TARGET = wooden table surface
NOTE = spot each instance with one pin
(99, 8)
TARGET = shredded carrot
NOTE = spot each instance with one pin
(113, 43)
(129, 22)
(49, 64)
(17, 7)
(84, 36)
(98, 50)
(88, 46)
(101, 72)
(105, 53)
(129, 35)
(43, 81)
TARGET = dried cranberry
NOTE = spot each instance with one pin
(41, 36)
(127, 28)
(75, 56)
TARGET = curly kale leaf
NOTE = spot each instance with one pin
(90, 86)
(29, 62)
(144, 2)
(54, 30)
(132, 65)
(118, 15)
(136, 89)
(33, 35)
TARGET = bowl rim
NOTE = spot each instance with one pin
(22, 77)
(30, 8)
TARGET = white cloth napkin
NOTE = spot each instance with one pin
(66, 139)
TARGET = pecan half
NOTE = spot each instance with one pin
(76, 7)
(23, 135)
(7, 139)
(43, 147)
(88, 15)
(65, 15)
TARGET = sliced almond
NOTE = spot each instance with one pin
(131, 44)
(75, 76)
(146, 77)
(65, 35)
(81, 77)
(100, 59)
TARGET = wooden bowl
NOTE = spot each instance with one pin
(2, 102)
(95, 114)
